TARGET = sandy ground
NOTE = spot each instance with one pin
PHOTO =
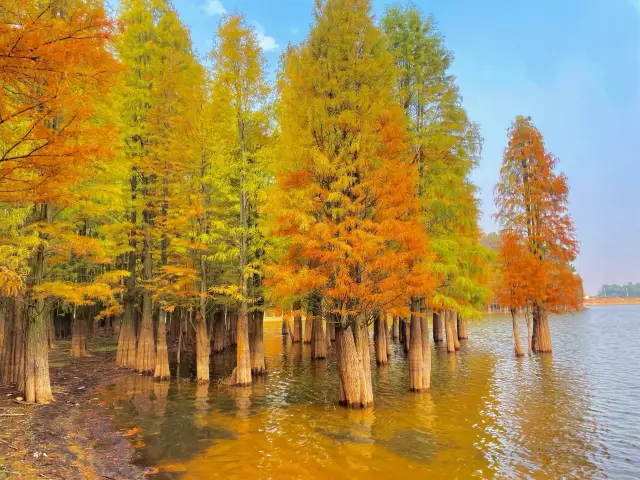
(591, 302)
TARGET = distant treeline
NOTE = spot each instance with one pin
(617, 291)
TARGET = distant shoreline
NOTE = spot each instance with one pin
(592, 302)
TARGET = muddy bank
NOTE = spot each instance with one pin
(591, 302)
(71, 438)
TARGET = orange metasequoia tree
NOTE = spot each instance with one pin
(532, 203)
(54, 66)
(345, 205)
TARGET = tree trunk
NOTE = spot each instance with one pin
(297, 328)
(115, 325)
(438, 324)
(308, 326)
(454, 322)
(406, 336)
(380, 340)
(146, 351)
(529, 332)
(462, 329)
(415, 360)
(449, 330)
(161, 371)
(37, 385)
(181, 333)
(541, 340)
(318, 341)
(426, 347)
(387, 339)
(79, 332)
(203, 348)
(351, 374)
(362, 345)
(331, 328)
(395, 329)
(241, 375)
(516, 334)
(258, 364)
(285, 326)
(13, 353)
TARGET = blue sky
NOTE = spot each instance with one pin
(573, 65)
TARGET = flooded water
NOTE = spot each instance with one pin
(572, 414)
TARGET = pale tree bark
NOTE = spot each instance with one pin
(449, 331)
(380, 339)
(426, 346)
(79, 331)
(415, 360)
(541, 339)
(161, 371)
(258, 363)
(462, 328)
(516, 334)
(354, 389)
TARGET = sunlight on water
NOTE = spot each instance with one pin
(489, 415)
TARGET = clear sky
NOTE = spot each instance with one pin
(573, 65)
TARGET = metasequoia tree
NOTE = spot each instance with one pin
(54, 64)
(345, 199)
(240, 91)
(445, 148)
(532, 201)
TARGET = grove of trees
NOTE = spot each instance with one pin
(174, 199)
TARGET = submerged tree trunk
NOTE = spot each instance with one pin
(380, 340)
(161, 371)
(529, 331)
(406, 335)
(146, 351)
(387, 339)
(541, 340)
(318, 340)
(79, 330)
(454, 322)
(297, 325)
(462, 329)
(203, 347)
(308, 326)
(258, 364)
(241, 375)
(331, 329)
(516, 334)
(351, 375)
(286, 329)
(450, 331)
(438, 327)
(426, 346)
(415, 360)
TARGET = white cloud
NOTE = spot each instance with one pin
(214, 8)
(266, 42)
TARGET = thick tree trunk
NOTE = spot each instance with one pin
(351, 374)
(3, 314)
(362, 345)
(415, 360)
(203, 348)
(331, 328)
(454, 322)
(285, 326)
(308, 326)
(161, 371)
(395, 328)
(318, 341)
(258, 364)
(426, 347)
(516, 334)
(126, 354)
(36, 382)
(462, 329)
(541, 340)
(450, 331)
(115, 325)
(380, 340)
(79, 331)
(146, 351)
(181, 334)
(241, 375)
(297, 328)
(387, 335)
(13, 353)
(529, 332)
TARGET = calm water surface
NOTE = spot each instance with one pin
(572, 414)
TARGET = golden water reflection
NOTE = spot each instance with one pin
(488, 415)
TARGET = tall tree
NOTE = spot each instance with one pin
(54, 65)
(445, 147)
(345, 199)
(240, 89)
(532, 201)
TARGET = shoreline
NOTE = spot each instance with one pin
(593, 302)
(72, 437)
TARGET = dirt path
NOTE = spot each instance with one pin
(72, 437)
